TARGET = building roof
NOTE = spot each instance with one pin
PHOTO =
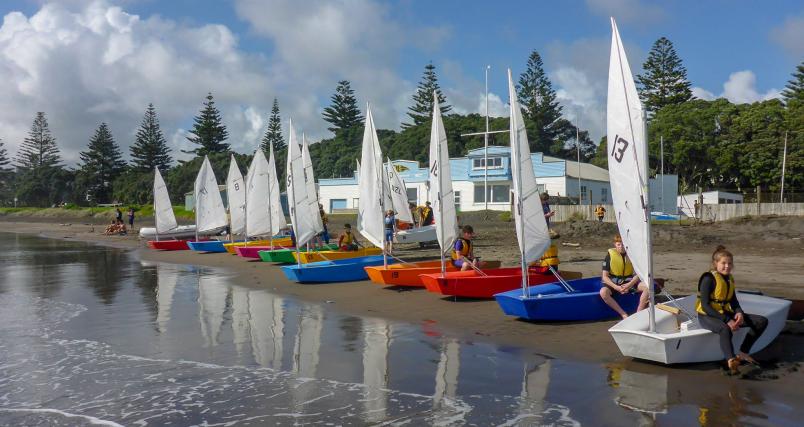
(588, 170)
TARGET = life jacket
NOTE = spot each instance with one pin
(389, 222)
(600, 211)
(619, 266)
(720, 296)
(466, 249)
(347, 238)
(427, 215)
(550, 258)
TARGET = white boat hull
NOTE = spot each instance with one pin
(149, 233)
(671, 345)
(416, 235)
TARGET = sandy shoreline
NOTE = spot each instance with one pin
(470, 319)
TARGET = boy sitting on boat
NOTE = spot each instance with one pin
(463, 254)
(618, 276)
(347, 240)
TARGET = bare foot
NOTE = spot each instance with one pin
(733, 364)
(746, 358)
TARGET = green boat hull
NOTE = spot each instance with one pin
(285, 256)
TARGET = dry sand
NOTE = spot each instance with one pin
(768, 258)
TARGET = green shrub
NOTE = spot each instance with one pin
(506, 216)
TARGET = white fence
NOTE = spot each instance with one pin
(710, 212)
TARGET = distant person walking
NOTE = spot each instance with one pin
(600, 211)
(545, 198)
(131, 218)
(119, 215)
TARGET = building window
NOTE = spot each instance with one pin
(355, 203)
(583, 193)
(413, 195)
(494, 163)
(457, 199)
(498, 193)
(604, 195)
(721, 201)
(337, 204)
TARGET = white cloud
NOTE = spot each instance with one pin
(790, 36)
(632, 11)
(741, 88)
(98, 63)
(702, 93)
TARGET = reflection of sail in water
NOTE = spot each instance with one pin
(240, 318)
(212, 294)
(166, 278)
(641, 392)
(308, 342)
(535, 382)
(267, 324)
(377, 342)
(449, 365)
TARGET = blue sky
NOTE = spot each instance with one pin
(106, 59)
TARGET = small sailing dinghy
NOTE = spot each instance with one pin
(531, 230)
(440, 192)
(285, 255)
(165, 219)
(306, 226)
(210, 215)
(658, 335)
(235, 192)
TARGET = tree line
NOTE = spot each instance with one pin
(707, 143)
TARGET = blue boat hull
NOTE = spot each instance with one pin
(342, 270)
(207, 246)
(552, 302)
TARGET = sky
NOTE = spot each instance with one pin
(84, 62)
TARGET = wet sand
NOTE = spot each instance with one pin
(771, 250)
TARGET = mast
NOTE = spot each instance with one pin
(646, 207)
(784, 160)
(379, 175)
(661, 161)
(292, 195)
(438, 196)
(518, 187)
(486, 149)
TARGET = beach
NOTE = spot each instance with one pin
(768, 254)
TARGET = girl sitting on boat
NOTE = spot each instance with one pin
(719, 310)
(618, 276)
(347, 240)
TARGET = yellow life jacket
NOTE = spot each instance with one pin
(347, 238)
(720, 297)
(550, 258)
(600, 211)
(619, 266)
(466, 249)
(425, 213)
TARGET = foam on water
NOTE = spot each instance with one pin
(47, 378)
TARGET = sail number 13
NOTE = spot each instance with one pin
(618, 148)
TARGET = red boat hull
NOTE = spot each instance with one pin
(168, 245)
(471, 284)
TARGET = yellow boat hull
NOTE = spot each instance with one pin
(305, 257)
(282, 241)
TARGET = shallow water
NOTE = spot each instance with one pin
(93, 336)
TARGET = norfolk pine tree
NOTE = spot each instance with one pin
(273, 135)
(39, 180)
(665, 79)
(101, 164)
(343, 113)
(538, 100)
(208, 132)
(795, 87)
(5, 175)
(422, 108)
(150, 149)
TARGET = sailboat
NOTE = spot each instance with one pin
(259, 216)
(337, 266)
(236, 193)
(531, 229)
(210, 215)
(165, 221)
(409, 274)
(658, 335)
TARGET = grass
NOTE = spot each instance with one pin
(72, 211)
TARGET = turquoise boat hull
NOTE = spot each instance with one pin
(341, 270)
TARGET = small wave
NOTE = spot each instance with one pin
(89, 419)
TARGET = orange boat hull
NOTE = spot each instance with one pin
(410, 274)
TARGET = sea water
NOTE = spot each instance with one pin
(91, 335)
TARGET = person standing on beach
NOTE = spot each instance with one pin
(463, 252)
(426, 215)
(545, 198)
(618, 276)
(600, 212)
(719, 310)
(324, 221)
(390, 229)
(119, 215)
(131, 219)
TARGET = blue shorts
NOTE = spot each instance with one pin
(389, 235)
(459, 262)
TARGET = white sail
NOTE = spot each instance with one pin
(440, 192)
(163, 210)
(274, 196)
(309, 181)
(209, 211)
(236, 194)
(304, 225)
(258, 214)
(628, 160)
(166, 279)
(531, 227)
(398, 193)
(370, 211)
